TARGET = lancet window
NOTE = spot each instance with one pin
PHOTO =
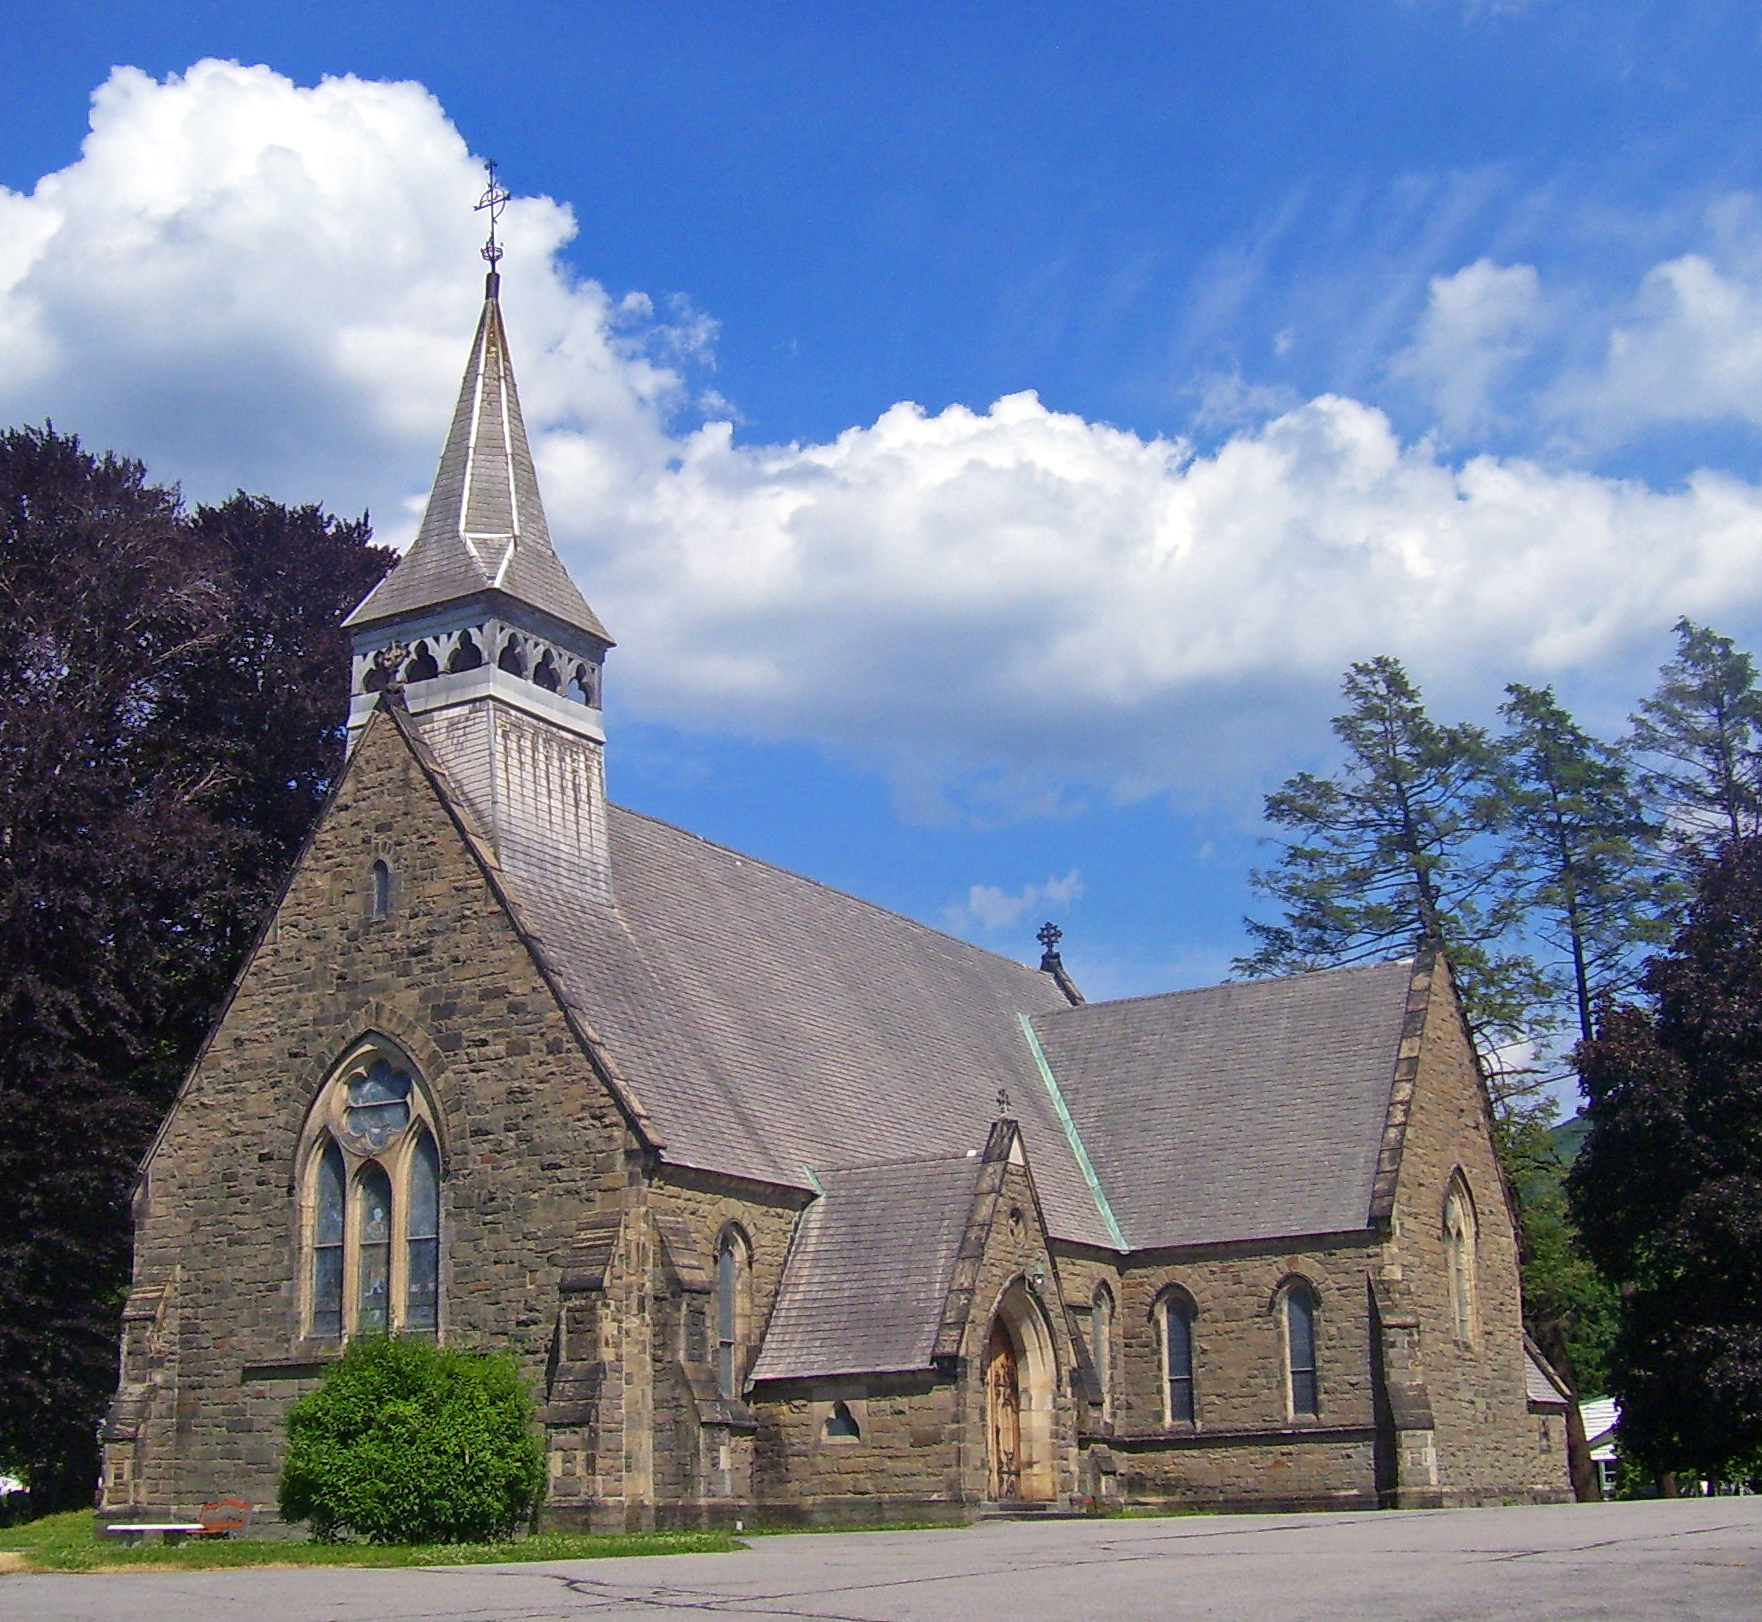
(371, 1202)
(733, 1288)
(1177, 1313)
(1460, 1244)
(1300, 1349)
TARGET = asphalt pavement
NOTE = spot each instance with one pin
(1697, 1559)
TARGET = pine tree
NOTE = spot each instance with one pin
(1398, 847)
(1582, 850)
(1699, 737)
(1667, 1191)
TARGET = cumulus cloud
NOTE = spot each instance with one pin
(990, 909)
(1687, 350)
(254, 283)
(1477, 326)
(247, 282)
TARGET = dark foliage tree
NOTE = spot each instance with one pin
(1700, 739)
(1568, 1306)
(1395, 848)
(1667, 1191)
(155, 768)
(1582, 851)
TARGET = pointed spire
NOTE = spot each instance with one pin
(485, 528)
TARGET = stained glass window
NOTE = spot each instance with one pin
(422, 1236)
(327, 1245)
(379, 1104)
(372, 1314)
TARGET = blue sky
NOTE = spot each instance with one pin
(1247, 339)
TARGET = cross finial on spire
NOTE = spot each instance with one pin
(1050, 935)
(495, 199)
(1003, 1101)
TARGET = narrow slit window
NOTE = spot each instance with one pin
(1300, 1341)
(380, 900)
(327, 1245)
(730, 1314)
(422, 1289)
(1177, 1342)
(373, 1308)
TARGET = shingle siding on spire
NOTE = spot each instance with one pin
(485, 525)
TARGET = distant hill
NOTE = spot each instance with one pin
(1568, 1137)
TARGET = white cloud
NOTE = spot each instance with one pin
(1477, 326)
(252, 283)
(992, 910)
(1687, 350)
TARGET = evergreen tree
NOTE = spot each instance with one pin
(1395, 848)
(1700, 739)
(1667, 1191)
(169, 716)
(1582, 850)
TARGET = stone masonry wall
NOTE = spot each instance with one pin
(923, 1447)
(1487, 1442)
(531, 1143)
(1244, 1447)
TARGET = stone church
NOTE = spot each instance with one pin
(791, 1209)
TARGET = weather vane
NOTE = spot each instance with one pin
(495, 199)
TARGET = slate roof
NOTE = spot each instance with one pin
(1539, 1382)
(1244, 1111)
(869, 1271)
(484, 528)
(772, 1026)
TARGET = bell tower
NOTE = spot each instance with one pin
(495, 650)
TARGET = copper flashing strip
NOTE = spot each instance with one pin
(1084, 1164)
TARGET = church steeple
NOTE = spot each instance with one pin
(495, 650)
(484, 529)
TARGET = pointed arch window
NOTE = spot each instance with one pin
(733, 1269)
(1300, 1349)
(1461, 1237)
(371, 1202)
(1177, 1314)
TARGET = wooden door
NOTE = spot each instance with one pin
(1003, 1402)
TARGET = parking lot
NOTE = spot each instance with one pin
(1691, 1558)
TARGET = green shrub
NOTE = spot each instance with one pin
(409, 1442)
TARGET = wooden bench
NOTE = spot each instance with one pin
(218, 1520)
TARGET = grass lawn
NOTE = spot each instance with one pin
(68, 1543)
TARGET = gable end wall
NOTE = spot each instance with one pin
(532, 1140)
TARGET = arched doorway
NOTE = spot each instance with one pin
(1018, 1400)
